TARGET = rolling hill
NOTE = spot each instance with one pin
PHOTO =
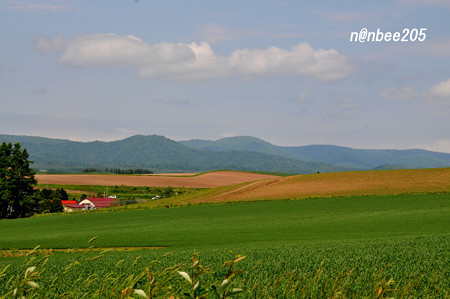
(153, 152)
(331, 154)
(335, 185)
(235, 153)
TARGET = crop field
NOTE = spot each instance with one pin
(206, 180)
(352, 183)
(354, 246)
(257, 186)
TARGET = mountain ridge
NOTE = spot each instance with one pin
(161, 154)
(331, 154)
(153, 152)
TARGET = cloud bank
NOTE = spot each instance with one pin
(196, 61)
(399, 93)
(439, 94)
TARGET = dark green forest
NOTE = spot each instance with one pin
(364, 159)
(155, 153)
(159, 154)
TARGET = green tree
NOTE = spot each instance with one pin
(61, 194)
(167, 192)
(56, 205)
(16, 182)
(50, 201)
(45, 206)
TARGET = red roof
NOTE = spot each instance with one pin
(69, 202)
(101, 202)
(95, 199)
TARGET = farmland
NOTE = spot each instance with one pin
(379, 235)
(340, 243)
(383, 182)
(276, 221)
(207, 180)
(341, 184)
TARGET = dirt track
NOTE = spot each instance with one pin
(207, 180)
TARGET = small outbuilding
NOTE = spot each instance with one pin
(89, 203)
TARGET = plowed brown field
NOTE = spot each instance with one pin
(207, 180)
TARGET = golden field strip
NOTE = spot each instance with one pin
(380, 182)
(206, 180)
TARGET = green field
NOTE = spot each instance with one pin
(403, 237)
(276, 222)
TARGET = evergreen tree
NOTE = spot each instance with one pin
(50, 201)
(16, 182)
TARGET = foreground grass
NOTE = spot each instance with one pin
(391, 267)
(361, 246)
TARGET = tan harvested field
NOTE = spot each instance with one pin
(206, 180)
(175, 174)
(339, 184)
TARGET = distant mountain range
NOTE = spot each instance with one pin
(161, 154)
(331, 154)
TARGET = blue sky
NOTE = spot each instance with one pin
(283, 71)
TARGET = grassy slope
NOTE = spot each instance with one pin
(246, 224)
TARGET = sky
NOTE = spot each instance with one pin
(289, 72)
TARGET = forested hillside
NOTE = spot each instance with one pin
(156, 153)
(331, 154)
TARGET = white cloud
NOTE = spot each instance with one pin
(399, 93)
(56, 44)
(114, 50)
(205, 65)
(439, 94)
(302, 59)
(193, 62)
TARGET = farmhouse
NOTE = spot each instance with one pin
(89, 203)
(71, 205)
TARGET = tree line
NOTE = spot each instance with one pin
(120, 170)
(18, 197)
